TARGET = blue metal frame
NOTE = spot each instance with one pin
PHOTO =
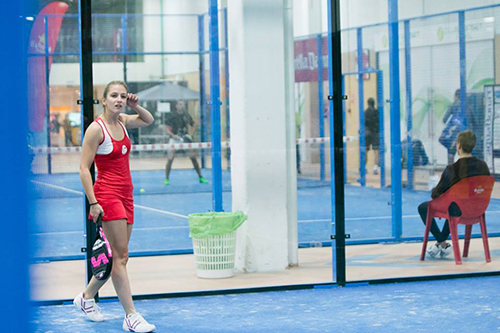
(463, 67)
(396, 181)
(409, 111)
(381, 126)
(321, 107)
(47, 91)
(202, 103)
(226, 74)
(215, 107)
(361, 106)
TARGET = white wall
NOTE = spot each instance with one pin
(355, 13)
(307, 17)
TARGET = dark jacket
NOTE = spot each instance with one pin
(463, 168)
(371, 121)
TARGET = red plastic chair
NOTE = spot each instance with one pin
(472, 195)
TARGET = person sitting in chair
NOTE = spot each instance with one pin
(466, 166)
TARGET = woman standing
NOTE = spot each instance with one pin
(106, 143)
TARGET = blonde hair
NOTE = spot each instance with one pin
(106, 90)
(113, 83)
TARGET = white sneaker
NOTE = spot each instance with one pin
(446, 250)
(434, 250)
(89, 307)
(135, 323)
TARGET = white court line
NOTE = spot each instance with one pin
(374, 218)
(138, 206)
(160, 211)
(58, 187)
(355, 219)
(186, 227)
(81, 232)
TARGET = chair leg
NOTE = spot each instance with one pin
(428, 224)
(468, 232)
(454, 238)
(484, 236)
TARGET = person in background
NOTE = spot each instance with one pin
(298, 122)
(181, 128)
(67, 132)
(454, 121)
(372, 132)
(466, 166)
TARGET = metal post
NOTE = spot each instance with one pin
(463, 67)
(343, 130)
(201, 49)
(47, 91)
(409, 115)
(380, 104)
(226, 73)
(162, 36)
(361, 104)
(336, 140)
(321, 108)
(124, 46)
(87, 95)
(215, 107)
(396, 186)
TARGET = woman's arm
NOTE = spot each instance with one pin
(143, 117)
(91, 140)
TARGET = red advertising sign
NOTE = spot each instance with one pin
(37, 89)
(306, 59)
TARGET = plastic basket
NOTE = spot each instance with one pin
(214, 255)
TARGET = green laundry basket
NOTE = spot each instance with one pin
(214, 242)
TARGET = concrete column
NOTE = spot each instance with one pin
(263, 171)
(293, 232)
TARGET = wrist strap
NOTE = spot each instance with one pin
(94, 203)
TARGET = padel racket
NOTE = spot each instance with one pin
(102, 257)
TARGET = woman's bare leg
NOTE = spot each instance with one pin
(93, 287)
(118, 234)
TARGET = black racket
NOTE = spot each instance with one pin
(102, 257)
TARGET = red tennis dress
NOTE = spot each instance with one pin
(113, 187)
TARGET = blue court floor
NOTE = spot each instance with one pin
(161, 212)
(459, 305)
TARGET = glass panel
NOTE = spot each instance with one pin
(312, 150)
(431, 75)
(54, 136)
